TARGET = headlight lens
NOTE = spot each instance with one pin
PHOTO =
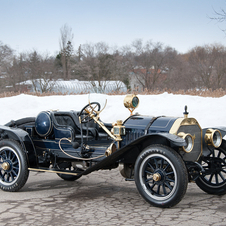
(135, 102)
(213, 137)
(189, 141)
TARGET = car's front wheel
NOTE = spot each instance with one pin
(13, 166)
(161, 176)
(213, 180)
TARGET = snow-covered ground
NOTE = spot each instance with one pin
(208, 111)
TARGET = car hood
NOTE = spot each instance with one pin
(150, 124)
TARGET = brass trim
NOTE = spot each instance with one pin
(189, 121)
(209, 137)
(184, 135)
(118, 129)
(101, 124)
(111, 149)
(182, 122)
(176, 125)
(186, 121)
(52, 171)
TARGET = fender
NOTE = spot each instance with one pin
(24, 139)
(113, 158)
(174, 139)
(221, 129)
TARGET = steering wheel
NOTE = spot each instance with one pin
(91, 107)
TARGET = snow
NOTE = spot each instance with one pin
(208, 111)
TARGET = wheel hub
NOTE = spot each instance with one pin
(156, 177)
(5, 166)
(216, 165)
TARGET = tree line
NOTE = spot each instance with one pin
(150, 65)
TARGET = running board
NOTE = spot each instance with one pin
(53, 171)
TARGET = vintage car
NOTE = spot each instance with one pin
(161, 154)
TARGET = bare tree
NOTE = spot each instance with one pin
(100, 63)
(220, 67)
(41, 71)
(206, 64)
(17, 72)
(150, 63)
(6, 59)
(66, 50)
(6, 55)
(219, 16)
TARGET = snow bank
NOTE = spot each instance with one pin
(208, 111)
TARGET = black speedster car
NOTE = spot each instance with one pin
(162, 154)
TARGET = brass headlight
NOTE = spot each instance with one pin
(213, 137)
(131, 102)
(189, 141)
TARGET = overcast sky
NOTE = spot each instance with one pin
(182, 24)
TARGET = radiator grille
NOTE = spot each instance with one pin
(132, 135)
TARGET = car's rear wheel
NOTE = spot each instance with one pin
(213, 180)
(161, 176)
(13, 166)
(68, 166)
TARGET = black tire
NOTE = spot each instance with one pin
(13, 166)
(69, 167)
(213, 180)
(161, 176)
